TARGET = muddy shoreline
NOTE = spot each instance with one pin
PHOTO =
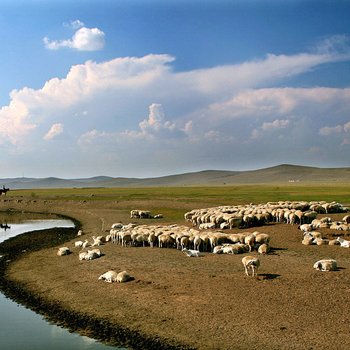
(100, 329)
(176, 302)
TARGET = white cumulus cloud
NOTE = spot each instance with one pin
(55, 130)
(276, 124)
(84, 39)
(192, 116)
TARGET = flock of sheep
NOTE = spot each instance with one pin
(239, 216)
(208, 236)
(311, 236)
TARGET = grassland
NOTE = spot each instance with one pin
(172, 201)
(173, 297)
(212, 195)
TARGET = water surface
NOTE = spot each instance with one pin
(21, 328)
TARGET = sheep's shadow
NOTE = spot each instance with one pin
(269, 276)
(275, 250)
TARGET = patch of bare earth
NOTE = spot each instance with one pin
(206, 302)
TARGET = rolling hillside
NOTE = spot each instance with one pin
(278, 174)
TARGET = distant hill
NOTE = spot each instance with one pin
(284, 173)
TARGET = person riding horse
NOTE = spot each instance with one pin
(4, 190)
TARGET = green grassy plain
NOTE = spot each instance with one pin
(172, 201)
(212, 195)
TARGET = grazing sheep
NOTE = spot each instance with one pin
(109, 276)
(197, 242)
(261, 238)
(250, 240)
(252, 263)
(192, 252)
(326, 265)
(80, 233)
(123, 277)
(63, 251)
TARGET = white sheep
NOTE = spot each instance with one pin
(250, 240)
(343, 242)
(97, 241)
(326, 265)
(92, 254)
(123, 277)
(83, 255)
(192, 252)
(252, 263)
(117, 225)
(81, 244)
(80, 233)
(109, 276)
(85, 244)
(263, 248)
(63, 251)
(219, 249)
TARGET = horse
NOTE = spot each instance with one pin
(4, 190)
(5, 226)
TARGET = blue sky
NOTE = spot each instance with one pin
(151, 88)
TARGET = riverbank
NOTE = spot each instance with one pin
(176, 302)
(15, 248)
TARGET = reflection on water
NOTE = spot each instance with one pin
(32, 225)
(21, 328)
(24, 329)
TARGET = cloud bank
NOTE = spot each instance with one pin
(137, 116)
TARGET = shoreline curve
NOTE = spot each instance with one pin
(96, 328)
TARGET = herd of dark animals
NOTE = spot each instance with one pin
(4, 190)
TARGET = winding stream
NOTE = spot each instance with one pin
(22, 328)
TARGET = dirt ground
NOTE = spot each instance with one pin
(180, 302)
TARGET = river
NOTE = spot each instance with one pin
(21, 328)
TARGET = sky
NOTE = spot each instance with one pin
(152, 88)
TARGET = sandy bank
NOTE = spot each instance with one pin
(179, 302)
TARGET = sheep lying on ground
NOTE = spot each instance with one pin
(90, 254)
(81, 244)
(97, 241)
(263, 249)
(123, 277)
(140, 214)
(326, 265)
(251, 263)
(343, 242)
(63, 251)
(192, 252)
(109, 276)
